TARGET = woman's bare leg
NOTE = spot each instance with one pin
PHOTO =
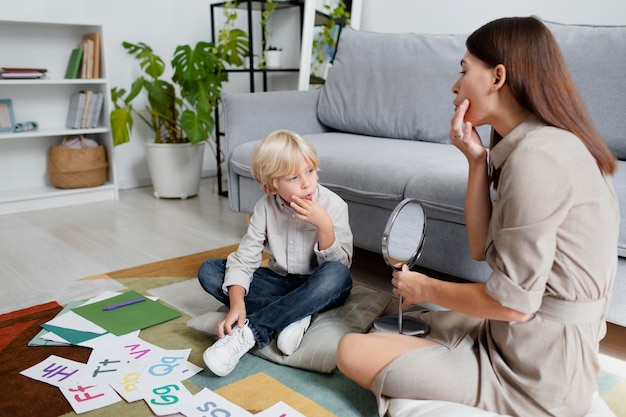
(362, 356)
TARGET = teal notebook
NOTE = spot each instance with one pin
(128, 318)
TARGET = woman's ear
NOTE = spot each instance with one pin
(499, 76)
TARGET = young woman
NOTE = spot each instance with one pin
(525, 342)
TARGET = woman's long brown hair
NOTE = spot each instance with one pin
(539, 79)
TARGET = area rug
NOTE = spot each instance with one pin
(255, 384)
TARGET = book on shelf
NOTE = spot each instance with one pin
(73, 66)
(22, 73)
(95, 110)
(86, 66)
(84, 110)
(75, 111)
(95, 54)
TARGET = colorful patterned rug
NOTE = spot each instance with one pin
(255, 384)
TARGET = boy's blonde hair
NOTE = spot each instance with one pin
(278, 155)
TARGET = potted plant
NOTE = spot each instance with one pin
(272, 57)
(325, 44)
(269, 6)
(179, 111)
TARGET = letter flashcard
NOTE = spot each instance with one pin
(91, 397)
(57, 371)
(207, 403)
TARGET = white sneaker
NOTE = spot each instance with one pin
(289, 339)
(224, 355)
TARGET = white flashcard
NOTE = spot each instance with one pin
(280, 409)
(139, 351)
(171, 366)
(207, 403)
(73, 321)
(106, 365)
(57, 371)
(91, 397)
(162, 399)
(53, 337)
(103, 296)
(107, 339)
(126, 384)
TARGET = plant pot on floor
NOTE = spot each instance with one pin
(175, 168)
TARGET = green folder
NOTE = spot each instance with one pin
(128, 318)
(73, 66)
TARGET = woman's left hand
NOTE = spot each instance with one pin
(410, 285)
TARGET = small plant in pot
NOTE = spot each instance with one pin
(273, 56)
(180, 111)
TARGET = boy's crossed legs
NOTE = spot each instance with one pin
(273, 303)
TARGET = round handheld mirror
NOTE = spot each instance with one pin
(402, 243)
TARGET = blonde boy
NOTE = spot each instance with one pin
(305, 228)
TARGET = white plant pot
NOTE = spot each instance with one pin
(272, 59)
(175, 168)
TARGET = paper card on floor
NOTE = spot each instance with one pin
(107, 339)
(171, 366)
(90, 397)
(40, 340)
(126, 384)
(280, 409)
(128, 318)
(57, 371)
(73, 328)
(107, 364)
(162, 399)
(208, 403)
(139, 351)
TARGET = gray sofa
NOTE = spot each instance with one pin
(381, 123)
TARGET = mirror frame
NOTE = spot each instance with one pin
(390, 222)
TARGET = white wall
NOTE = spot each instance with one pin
(464, 16)
(164, 24)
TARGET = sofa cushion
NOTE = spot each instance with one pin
(392, 85)
(602, 87)
(619, 182)
(388, 170)
(319, 345)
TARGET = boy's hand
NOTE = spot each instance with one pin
(236, 314)
(311, 211)
(235, 317)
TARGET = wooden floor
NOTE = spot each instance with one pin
(45, 254)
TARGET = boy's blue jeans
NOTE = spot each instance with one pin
(273, 302)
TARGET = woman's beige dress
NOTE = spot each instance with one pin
(553, 250)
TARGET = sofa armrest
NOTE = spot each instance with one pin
(252, 116)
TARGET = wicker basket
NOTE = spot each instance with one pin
(77, 168)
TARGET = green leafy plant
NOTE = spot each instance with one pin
(268, 10)
(179, 110)
(337, 15)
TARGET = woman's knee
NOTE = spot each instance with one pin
(346, 349)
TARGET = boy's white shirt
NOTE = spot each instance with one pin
(292, 242)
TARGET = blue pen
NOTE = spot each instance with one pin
(125, 303)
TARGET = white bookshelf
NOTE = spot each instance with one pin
(24, 183)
